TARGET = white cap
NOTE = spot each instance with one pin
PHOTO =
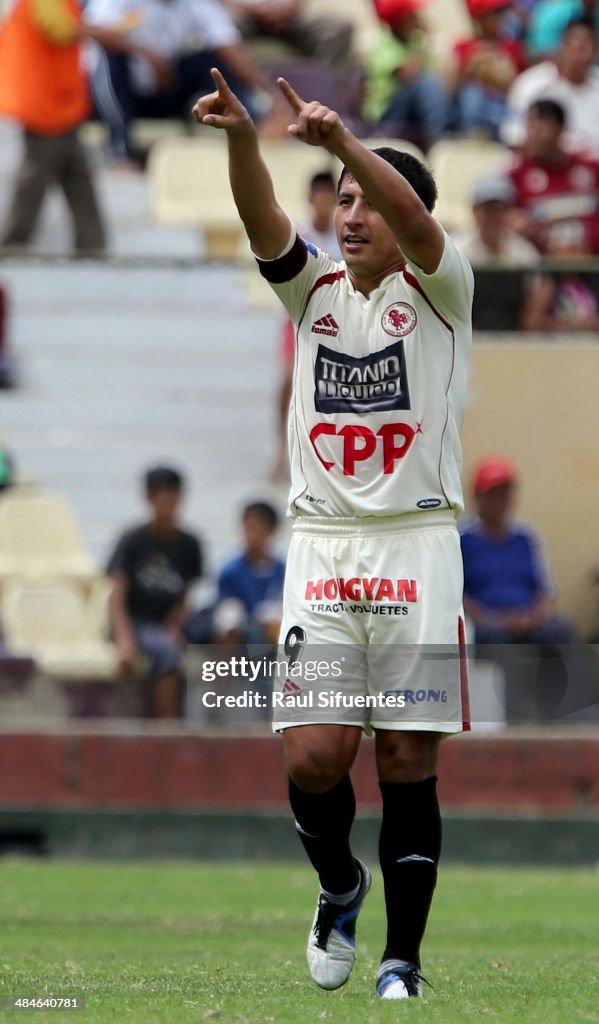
(493, 190)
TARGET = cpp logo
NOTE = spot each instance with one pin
(360, 443)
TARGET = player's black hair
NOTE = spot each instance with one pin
(264, 510)
(162, 478)
(582, 22)
(322, 179)
(410, 168)
(549, 110)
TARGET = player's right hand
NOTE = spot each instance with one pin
(222, 109)
(314, 124)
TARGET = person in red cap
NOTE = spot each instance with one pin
(509, 592)
(404, 94)
(486, 64)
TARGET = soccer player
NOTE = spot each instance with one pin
(382, 345)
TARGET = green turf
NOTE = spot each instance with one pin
(178, 943)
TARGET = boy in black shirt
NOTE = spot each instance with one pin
(152, 567)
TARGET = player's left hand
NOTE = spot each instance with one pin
(314, 123)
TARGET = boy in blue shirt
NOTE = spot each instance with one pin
(250, 586)
(508, 596)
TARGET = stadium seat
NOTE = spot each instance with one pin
(190, 186)
(40, 537)
(51, 622)
(145, 131)
(99, 596)
(457, 164)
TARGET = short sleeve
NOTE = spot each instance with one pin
(293, 274)
(451, 287)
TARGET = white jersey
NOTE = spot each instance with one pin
(379, 384)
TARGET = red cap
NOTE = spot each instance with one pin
(477, 7)
(494, 472)
(391, 11)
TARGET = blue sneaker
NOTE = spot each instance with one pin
(398, 979)
(332, 940)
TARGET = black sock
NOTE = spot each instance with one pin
(324, 822)
(409, 850)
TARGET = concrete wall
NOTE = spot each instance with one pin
(538, 403)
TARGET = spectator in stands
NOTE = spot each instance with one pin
(571, 79)
(250, 586)
(557, 192)
(486, 65)
(404, 94)
(325, 37)
(548, 20)
(557, 196)
(152, 567)
(508, 588)
(162, 62)
(44, 89)
(320, 229)
(491, 241)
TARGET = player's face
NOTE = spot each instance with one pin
(367, 243)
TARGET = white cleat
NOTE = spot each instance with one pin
(398, 979)
(332, 941)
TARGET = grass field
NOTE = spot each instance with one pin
(178, 943)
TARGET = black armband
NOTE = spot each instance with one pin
(288, 266)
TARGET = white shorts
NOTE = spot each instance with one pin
(373, 613)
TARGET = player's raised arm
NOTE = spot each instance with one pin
(266, 224)
(419, 235)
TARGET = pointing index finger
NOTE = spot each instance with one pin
(294, 101)
(220, 82)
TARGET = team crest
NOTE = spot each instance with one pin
(399, 319)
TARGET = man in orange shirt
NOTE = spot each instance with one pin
(44, 88)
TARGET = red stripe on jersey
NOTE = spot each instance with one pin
(416, 284)
(325, 279)
(464, 676)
